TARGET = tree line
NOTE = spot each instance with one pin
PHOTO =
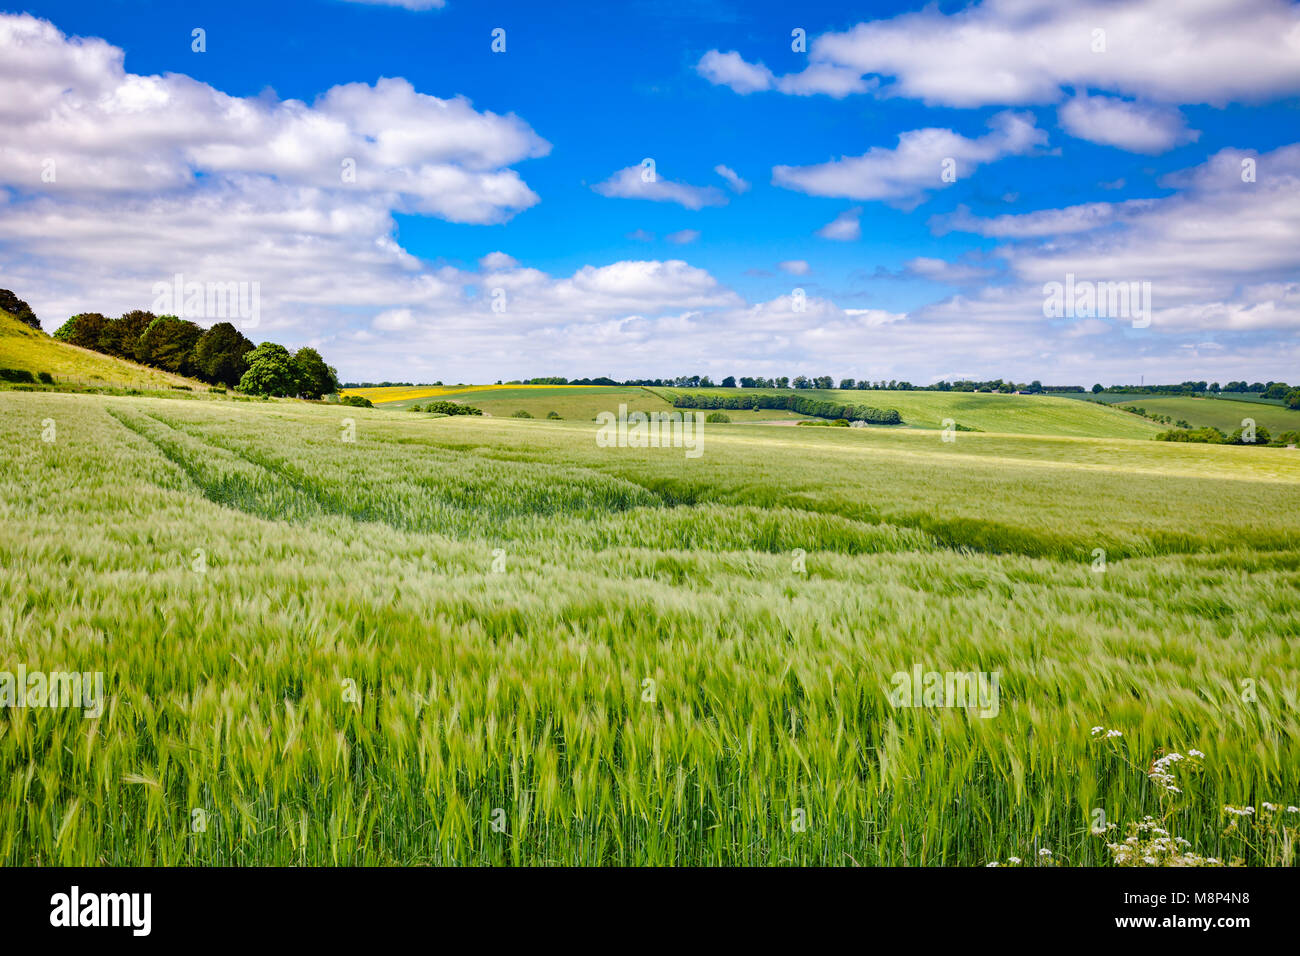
(804, 405)
(220, 355)
(802, 382)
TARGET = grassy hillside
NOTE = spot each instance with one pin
(490, 640)
(1131, 398)
(25, 348)
(1011, 414)
(1226, 415)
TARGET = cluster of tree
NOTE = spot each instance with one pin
(802, 404)
(19, 309)
(1263, 389)
(220, 355)
(1270, 390)
(21, 376)
(1155, 416)
(1213, 436)
(600, 380)
(448, 408)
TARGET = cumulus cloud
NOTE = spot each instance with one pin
(71, 107)
(496, 261)
(845, 227)
(1135, 127)
(640, 182)
(683, 236)
(164, 175)
(1222, 253)
(395, 320)
(734, 71)
(1084, 217)
(917, 165)
(1020, 52)
(733, 180)
(940, 270)
(794, 267)
(731, 69)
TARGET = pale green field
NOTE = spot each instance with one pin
(614, 654)
(576, 403)
(988, 412)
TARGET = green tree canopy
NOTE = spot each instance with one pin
(270, 372)
(221, 355)
(314, 377)
(168, 343)
(121, 335)
(19, 309)
(83, 329)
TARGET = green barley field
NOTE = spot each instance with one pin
(349, 636)
(1223, 414)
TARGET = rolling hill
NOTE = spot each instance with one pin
(1008, 414)
(1224, 414)
(987, 412)
(26, 349)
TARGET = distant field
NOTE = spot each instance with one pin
(1010, 414)
(570, 402)
(580, 403)
(1224, 414)
(25, 348)
(1128, 398)
(586, 403)
(398, 395)
(357, 636)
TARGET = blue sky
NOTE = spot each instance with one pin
(1139, 141)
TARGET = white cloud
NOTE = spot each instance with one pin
(845, 227)
(733, 180)
(636, 182)
(795, 267)
(683, 236)
(1020, 52)
(730, 69)
(905, 174)
(1219, 254)
(395, 320)
(834, 81)
(940, 270)
(1135, 127)
(1084, 217)
(70, 102)
(734, 71)
(142, 159)
(497, 262)
(640, 235)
